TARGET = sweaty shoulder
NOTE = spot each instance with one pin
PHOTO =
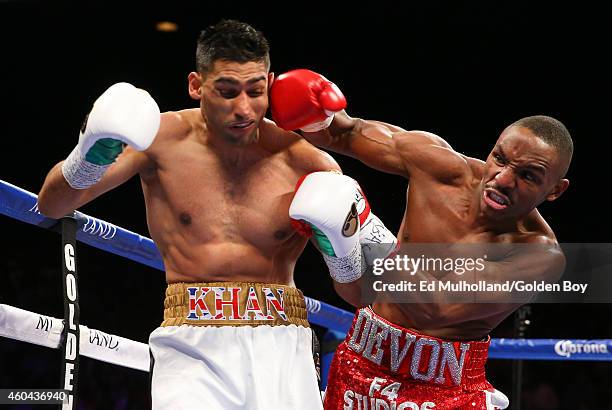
(174, 126)
(427, 154)
(178, 124)
(535, 229)
(301, 155)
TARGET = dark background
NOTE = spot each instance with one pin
(463, 71)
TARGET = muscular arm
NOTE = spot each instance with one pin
(382, 146)
(56, 198)
(538, 259)
(473, 314)
(350, 292)
(305, 157)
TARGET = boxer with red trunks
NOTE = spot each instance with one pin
(432, 355)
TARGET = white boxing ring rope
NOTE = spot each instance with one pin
(46, 331)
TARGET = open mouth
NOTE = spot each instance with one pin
(496, 200)
(242, 125)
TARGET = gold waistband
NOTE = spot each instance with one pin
(233, 304)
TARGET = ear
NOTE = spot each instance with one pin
(558, 190)
(270, 80)
(195, 85)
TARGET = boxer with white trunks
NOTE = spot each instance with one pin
(217, 182)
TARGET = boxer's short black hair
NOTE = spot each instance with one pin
(551, 131)
(231, 40)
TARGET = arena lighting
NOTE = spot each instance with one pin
(166, 26)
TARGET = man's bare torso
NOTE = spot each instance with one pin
(439, 211)
(219, 215)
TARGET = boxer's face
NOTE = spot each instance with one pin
(521, 172)
(234, 99)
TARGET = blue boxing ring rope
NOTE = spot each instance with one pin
(20, 204)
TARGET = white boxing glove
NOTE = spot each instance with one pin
(326, 202)
(122, 114)
(376, 240)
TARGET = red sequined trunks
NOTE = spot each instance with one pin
(381, 366)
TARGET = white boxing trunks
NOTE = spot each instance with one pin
(233, 345)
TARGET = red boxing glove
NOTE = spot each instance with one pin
(303, 99)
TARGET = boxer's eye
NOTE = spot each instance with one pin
(528, 176)
(256, 93)
(228, 93)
